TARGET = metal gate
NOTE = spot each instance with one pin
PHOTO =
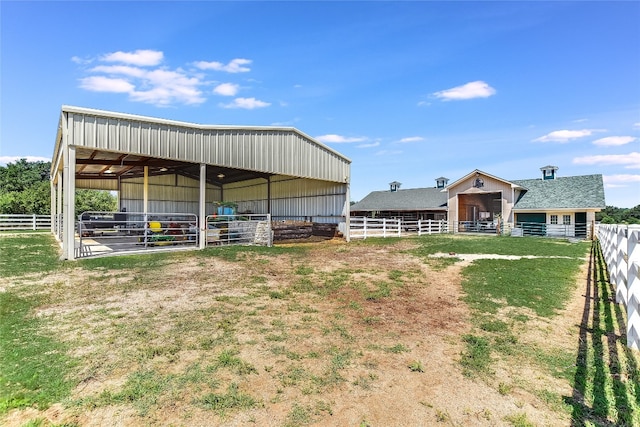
(238, 230)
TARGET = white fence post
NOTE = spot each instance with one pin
(621, 264)
(633, 288)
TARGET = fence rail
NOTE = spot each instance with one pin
(25, 222)
(620, 245)
(363, 227)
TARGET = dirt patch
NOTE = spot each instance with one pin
(339, 335)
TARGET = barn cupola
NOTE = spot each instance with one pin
(549, 172)
(441, 182)
(394, 186)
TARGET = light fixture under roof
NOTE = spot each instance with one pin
(163, 169)
(220, 175)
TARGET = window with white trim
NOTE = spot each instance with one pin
(554, 219)
(566, 219)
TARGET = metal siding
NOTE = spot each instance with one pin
(278, 151)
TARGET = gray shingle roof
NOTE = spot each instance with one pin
(581, 192)
(403, 200)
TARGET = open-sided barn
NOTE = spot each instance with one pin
(162, 166)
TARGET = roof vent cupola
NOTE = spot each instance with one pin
(441, 182)
(394, 186)
(549, 172)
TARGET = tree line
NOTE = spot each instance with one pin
(25, 189)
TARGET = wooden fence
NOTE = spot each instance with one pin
(363, 227)
(25, 222)
(620, 246)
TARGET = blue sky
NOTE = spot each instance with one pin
(409, 91)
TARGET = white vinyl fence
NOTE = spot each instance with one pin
(25, 222)
(363, 227)
(620, 246)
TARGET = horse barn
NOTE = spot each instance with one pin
(183, 185)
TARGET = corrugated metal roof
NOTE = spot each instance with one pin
(570, 192)
(403, 200)
(110, 143)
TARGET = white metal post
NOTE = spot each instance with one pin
(202, 242)
(69, 196)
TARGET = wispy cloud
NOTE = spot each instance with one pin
(410, 139)
(620, 181)
(106, 84)
(477, 89)
(338, 139)
(141, 57)
(246, 103)
(566, 135)
(373, 144)
(614, 141)
(636, 125)
(226, 89)
(388, 152)
(628, 161)
(234, 66)
(5, 160)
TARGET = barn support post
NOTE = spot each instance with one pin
(145, 191)
(69, 196)
(202, 211)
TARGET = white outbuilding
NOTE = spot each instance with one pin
(161, 166)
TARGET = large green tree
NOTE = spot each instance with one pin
(613, 215)
(25, 189)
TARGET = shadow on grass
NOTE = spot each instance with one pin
(599, 391)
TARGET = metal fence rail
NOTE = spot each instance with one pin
(25, 222)
(620, 245)
(108, 233)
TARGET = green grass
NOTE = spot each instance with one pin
(34, 368)
(607, 375)
(542, 285)
(233, 399)
(505, 245)
(32, 253)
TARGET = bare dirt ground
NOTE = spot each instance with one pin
(337, 336)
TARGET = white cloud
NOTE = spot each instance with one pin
(226, 89)
(106, 84)
(388, 152)
(620, 181)
(373, 144)
(636, 125)
(410, 139)
(5, 160)
(614, 141)
(234, 66)
(566, 135)
(140, 75)
(628, 161)
(126, 70)
(338, 139)
(477, 89)
(246, 103)
(141, 57)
